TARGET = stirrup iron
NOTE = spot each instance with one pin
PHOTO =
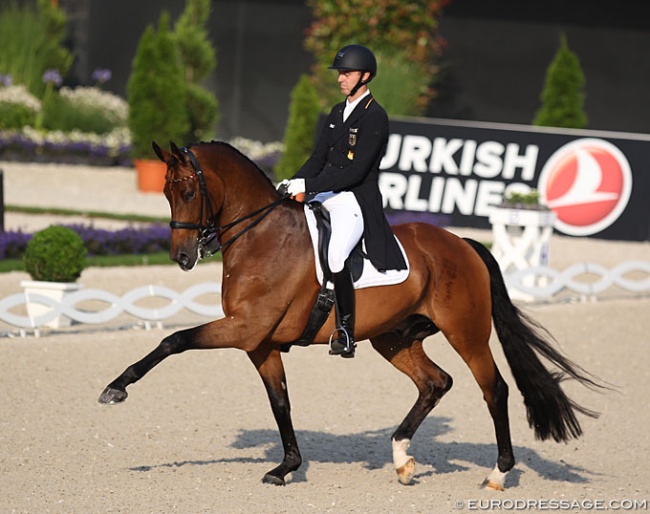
(350, 345)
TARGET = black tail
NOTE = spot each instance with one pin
(550, 412)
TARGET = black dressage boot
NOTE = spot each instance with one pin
(342, 339)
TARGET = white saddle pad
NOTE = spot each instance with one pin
(370, 277)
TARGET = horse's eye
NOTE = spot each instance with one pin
(189, 195)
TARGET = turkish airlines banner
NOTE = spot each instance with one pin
(454, 173)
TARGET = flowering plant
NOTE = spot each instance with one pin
(29, 144)
(101, 75)
(52, 77)
(151, 239)
(18, 107)
(19, 140)
(265, 155)
(112, 107)
(21, 114)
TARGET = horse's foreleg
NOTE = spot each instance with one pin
(115, 392)
(432, 383)
(269, 365)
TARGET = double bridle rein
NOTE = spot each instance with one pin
(209, 230)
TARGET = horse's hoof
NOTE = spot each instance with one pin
(273, 480)
(112, 396)
(405, 472)
(495, 480)
(489, 485)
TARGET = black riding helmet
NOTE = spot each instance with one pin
(355, 58)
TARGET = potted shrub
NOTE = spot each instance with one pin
(54, 258)
(156, 98)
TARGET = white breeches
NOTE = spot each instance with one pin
(347, 226)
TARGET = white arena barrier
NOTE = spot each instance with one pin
(113, 305)
(584, 280)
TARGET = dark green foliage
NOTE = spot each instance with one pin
(202, 109)
(54, 22)
(32, 41)
(156, 92)
(301, 127)
(563, 93)
(59, 113)
(401, 86)
(198, 59)
(14, 116)
(56, 254)
(403, 35)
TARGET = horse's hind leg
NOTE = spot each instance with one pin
(268, 363)
(480, 361)
(432, 382)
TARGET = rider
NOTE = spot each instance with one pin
(343, 174)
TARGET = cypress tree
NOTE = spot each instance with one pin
(563, 93)
(198, 59)
(156, 92)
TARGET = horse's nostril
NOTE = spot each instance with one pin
(182, 259)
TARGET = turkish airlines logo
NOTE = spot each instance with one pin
(587, 183)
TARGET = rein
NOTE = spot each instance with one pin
(207, 237)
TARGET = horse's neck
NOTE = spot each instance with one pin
(271, 241)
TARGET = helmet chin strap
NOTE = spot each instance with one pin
(360, 83)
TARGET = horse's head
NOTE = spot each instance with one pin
(199, 180)
(192, 206)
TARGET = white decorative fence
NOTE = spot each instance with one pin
(584, 280)
(115, 305)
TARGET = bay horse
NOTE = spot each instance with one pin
(269, 285)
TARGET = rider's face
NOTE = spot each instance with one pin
(347, 80)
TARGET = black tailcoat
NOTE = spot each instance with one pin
(346, 158)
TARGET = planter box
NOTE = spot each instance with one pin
(521, 239)
(53, 290)
(522, 217)
(151, 175)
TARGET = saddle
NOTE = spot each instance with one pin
(325, 299)
(356, 259)
(363, 272)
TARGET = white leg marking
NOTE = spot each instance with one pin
(404, 463)
(495, 480)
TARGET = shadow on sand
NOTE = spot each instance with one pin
(372, 449)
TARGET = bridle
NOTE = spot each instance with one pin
(209, 230)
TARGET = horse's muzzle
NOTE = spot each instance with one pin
(186, 260)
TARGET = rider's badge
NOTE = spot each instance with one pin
(352, 140)
(350, 155)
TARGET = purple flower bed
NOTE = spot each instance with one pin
(127, 241)
(12, 244)
(18, 147)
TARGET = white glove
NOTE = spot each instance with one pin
(282, 184)
(296, 186)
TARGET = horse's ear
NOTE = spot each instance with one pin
(176, 152)
(163, 155)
